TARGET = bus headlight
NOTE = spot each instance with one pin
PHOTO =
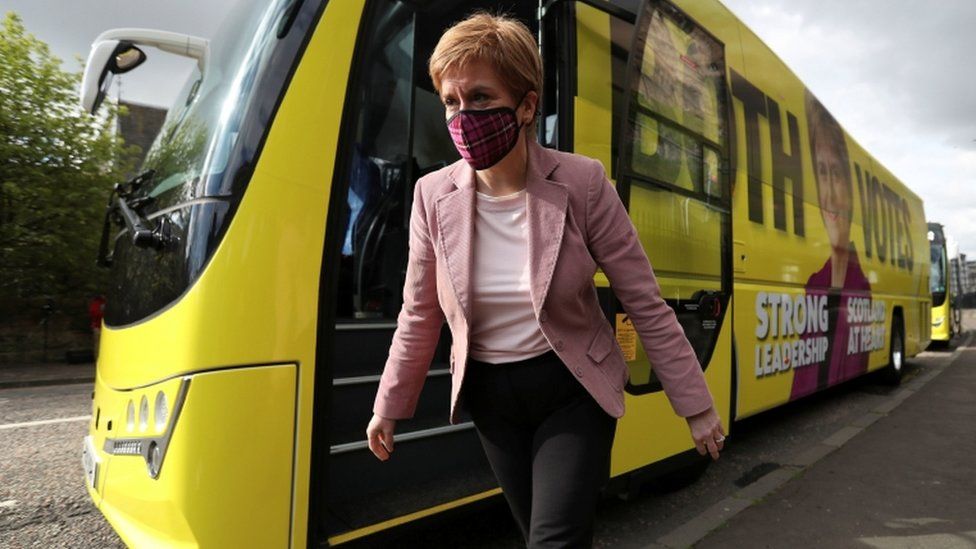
(160, 411)
(151, 447)
(130, 416)
(938, 321)
(143, 413)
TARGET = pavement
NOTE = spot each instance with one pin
(34, 375)
(901, 476)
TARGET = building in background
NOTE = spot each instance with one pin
(969, 275)
(140, 127)
(957, 270)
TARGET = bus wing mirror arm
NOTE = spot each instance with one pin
(116, 52)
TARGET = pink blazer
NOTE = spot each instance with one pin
(576, 223)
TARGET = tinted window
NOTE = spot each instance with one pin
(678, 122)
(673, 172)
(937, 274)
(205, 153)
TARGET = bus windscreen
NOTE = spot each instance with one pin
(937, 274)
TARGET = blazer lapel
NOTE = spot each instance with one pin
(546, 212)
(455, 221)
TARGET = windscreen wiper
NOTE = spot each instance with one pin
(123, 208)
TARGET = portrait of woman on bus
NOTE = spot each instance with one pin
(841, 276)
(503, 246)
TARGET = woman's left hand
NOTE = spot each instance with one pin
(706, 430)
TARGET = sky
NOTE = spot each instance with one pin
(69, 28)
(897, 74)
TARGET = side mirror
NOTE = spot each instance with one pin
(116, 52)
(107, 58)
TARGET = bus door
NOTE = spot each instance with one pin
(394, 132)
(651, 102)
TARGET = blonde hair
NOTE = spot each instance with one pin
(503, 42)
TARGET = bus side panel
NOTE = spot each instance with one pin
(941, 322)
(650, 431)
(859, 244)
(899, 251)
(593, 105)
(299, 160)
(225, 480)
(771, 257)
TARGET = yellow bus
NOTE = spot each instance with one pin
(257, 261)
(940, 284)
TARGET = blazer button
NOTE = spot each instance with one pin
(559, 345)
(579, 372)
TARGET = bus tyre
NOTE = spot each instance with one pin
(680, 478)
(896, 355)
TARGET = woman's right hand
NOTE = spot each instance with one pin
(379, 436)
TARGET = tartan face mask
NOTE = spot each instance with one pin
(484, 137)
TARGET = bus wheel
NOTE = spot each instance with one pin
(896, 355)
(680, 478)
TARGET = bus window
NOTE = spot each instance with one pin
(673, 172)
(678, 111)
(664, 152)
(937, 274)
(711, 177)
(374, 237)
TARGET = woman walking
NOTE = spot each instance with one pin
(504, 245)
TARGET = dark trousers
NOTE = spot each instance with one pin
(548, 443)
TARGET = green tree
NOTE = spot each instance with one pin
(57, 168)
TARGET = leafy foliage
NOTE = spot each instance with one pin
(57, 168)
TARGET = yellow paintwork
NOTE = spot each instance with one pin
(200, 497)
(765, 259)
(111, 406)
(682, 238)
(650, 431)
(941, 317)
(256, 302)
(593, 103)
(942, 321)
(781, 261)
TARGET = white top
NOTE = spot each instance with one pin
(504, 326)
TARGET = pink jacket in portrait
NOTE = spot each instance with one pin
(576, 224)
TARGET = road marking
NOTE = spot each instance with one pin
(947, 540)
(43, 422)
